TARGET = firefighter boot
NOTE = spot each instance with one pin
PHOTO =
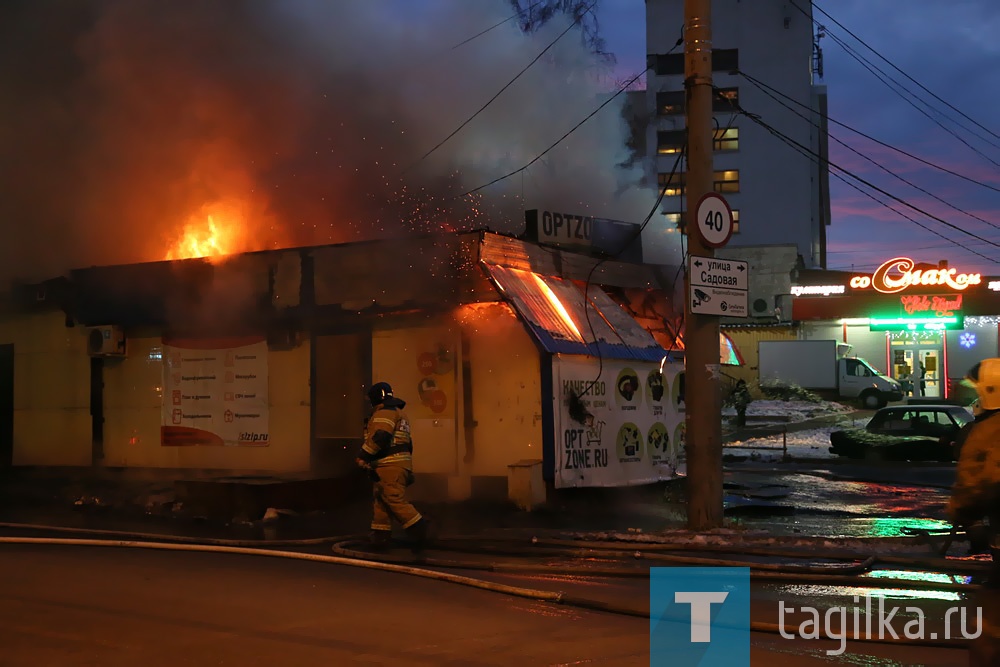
(418, 535)
(378, 540)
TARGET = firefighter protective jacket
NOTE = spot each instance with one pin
(387, 436)
(977, 486)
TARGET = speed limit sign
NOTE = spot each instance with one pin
(715, 220)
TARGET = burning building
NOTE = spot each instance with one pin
(508, 352)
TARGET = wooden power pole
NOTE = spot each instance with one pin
(703, 396)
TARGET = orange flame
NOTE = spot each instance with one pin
(205, 239)
(554, 301)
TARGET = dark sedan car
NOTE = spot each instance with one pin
(904, 433)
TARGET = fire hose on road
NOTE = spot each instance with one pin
(348, 554)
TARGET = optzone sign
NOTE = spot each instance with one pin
(715, 220)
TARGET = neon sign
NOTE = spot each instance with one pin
(897, 274)
(941, 306)
(916, 323)
(817, 290)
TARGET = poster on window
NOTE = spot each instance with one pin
(618, 423)
(215, 392)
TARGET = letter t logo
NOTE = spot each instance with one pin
(701, 612)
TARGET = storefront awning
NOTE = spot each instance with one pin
(564, 322)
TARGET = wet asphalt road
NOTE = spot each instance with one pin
(849, 501)
(72, 606)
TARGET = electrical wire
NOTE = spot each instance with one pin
(936, 246)
(891, 64)
(590, 276)
(510, 83)
(497, 25)
(878, 74)
(635, 235)
(538, 157)
(888, 82)
(820, 160)
(917, 158)
(875, 162)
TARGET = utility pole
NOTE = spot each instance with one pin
(701, 332)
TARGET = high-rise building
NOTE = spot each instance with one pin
(778, 194)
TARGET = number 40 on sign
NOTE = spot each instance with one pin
(715, 220)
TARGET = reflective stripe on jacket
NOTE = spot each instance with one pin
(387, 438)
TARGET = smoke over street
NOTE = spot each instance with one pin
(299, 122)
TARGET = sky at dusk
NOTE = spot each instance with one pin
(950, 48)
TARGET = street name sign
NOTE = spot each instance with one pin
(718, 286)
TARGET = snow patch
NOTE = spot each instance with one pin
(792, 411)
(809, 444)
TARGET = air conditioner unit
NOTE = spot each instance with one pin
(106, 341)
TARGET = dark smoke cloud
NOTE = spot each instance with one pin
(121, 121)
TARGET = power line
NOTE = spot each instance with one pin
(878, 74)
(873, 139)
(885, 79)
(891, 64)
(815, 157)
(937, 246)
(501, 91)
(880, 166)
(497, 25)
(625, 245)
(538, 157)
(635, 235)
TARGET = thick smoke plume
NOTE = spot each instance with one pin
(302, 120)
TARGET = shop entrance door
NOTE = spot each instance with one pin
(917, 365)
(924, 366)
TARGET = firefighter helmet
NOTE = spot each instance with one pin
(985, 377)
(379, 392)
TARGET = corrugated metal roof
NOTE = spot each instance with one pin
(499, 250)
(555, 311)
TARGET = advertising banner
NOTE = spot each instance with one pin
(618, 423)
(215, 392)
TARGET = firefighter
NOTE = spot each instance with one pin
(387, 454)
(977, 496)
(741, 398)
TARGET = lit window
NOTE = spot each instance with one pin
(727, 181)
(670, 103)
(727, 139)
(722, 181)
(726, 99)
(674, 102)
(671, 142)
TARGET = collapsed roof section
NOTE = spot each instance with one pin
(564, 321)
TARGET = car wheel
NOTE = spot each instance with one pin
(871, 401)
